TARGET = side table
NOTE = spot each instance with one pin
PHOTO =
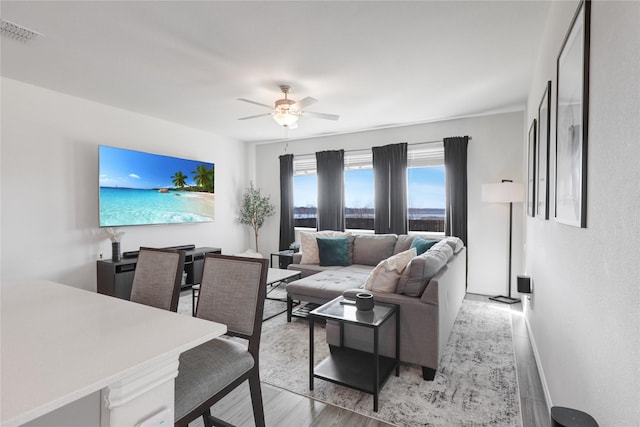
(284, 258)
(366, 372)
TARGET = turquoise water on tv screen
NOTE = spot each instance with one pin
(126, 206)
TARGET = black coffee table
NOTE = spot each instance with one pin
(360, 370)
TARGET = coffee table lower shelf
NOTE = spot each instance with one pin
(352, 368)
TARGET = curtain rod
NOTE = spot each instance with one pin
(351, 151)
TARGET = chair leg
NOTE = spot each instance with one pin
(211, 421)
(206, 418)
(256, 398)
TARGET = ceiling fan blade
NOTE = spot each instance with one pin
(320, 115)
(256, 103)
(305, 102)
(253, 117)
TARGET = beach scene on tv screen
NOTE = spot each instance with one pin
(138, 188)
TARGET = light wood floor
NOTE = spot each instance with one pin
(285, 409)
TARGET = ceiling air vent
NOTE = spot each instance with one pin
(17, 32)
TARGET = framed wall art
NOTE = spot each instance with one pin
(572, 112)
(531, 171)
(543, 144)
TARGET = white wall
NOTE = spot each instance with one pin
(50, 183)
(585, 313)
(495, 152)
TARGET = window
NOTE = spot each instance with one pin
(426, 198)
(425, 186)
(358, 199)
(305, 200)
(305, 191)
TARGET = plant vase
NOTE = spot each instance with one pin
(115, 251)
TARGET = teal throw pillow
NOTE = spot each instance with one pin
(333, 251)
(422, 245)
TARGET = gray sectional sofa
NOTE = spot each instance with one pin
(429, 292)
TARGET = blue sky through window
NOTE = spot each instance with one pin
(426, 187)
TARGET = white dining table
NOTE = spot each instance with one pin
(60, 344)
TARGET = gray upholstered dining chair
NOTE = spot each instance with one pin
(232, 291)
(157, 278)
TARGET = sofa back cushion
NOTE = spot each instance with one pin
(371, 249)
(403, 243)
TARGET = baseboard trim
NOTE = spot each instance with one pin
(536, 357)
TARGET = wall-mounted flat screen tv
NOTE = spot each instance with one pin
(138, 188)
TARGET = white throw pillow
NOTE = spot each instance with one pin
(385, 276)
(309, 245)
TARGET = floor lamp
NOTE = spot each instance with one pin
(505, 192)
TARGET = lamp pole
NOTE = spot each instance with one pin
(501, 298)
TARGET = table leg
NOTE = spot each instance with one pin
(193, 301)
(376, 372)
(398, 341)
(311, 352)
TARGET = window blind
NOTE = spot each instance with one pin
(423, 155)
(418, 155)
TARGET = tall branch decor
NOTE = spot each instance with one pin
(255, 209)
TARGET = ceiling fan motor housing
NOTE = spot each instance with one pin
(284, 104)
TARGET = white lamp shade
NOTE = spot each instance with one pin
(503, 192)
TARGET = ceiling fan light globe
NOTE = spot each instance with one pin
(286, 119)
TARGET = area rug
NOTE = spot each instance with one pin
(475, 386)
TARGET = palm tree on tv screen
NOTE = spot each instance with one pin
(204, 177)
(179, 179)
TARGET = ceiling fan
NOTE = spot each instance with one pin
(286, 112)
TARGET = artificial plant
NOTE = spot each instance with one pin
(255, 209)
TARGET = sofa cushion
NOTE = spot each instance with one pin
(419, 271)
(371, 249)
(329, 284)
(333, 251)
(455, 242)
(309, 245)
(403, 243)
(385, 276)
(422, 245)
(444, 247)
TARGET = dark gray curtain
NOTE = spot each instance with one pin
(287, 232)
(390, 184)
(330, 167)
(455, 163)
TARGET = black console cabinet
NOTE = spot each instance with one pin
(116, 277)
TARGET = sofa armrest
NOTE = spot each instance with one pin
(297, 256)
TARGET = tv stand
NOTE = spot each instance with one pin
(115, 278)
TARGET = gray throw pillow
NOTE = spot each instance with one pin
(419, 271)
(443, 246)
(455, 242)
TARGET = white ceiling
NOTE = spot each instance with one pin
(376, 64)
